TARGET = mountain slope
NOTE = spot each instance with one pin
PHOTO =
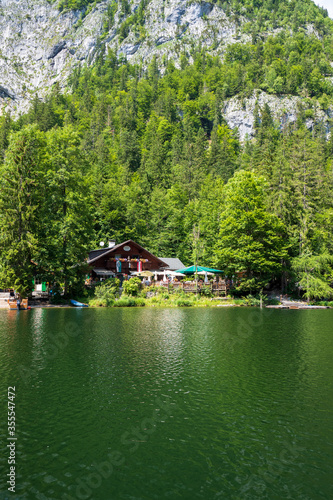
(39, 46)
(41, 42)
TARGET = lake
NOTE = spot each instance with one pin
(144, 404)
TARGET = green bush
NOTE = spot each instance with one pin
(324, 303)
(132, 286)
(125, 302)
(206, 291)
(65, 5)
(140, 302)
(101, 303)
(252, 301)
(106, 291)
(129, 302)
(273, 302)
(183, 303)
(240, 302)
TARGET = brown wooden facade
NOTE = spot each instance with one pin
(126, 258)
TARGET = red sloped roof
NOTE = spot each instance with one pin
(116, 247)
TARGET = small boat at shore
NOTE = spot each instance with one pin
(21, 306)
(75, 303)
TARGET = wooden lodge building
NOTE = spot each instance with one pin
(129, 258)
(125, 259)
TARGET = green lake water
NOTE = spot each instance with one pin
(144, 404)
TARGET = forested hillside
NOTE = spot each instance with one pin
(146, 153)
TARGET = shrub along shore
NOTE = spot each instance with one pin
(132, 294)
(177, 299)
(165, 299)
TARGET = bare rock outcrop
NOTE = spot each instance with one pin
(284, 109)
(39, 45)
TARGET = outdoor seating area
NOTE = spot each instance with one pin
(176, 280)
(217, 288)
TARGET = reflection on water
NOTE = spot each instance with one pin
(180, 403)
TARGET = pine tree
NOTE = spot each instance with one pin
(315, 275)
(68, 210)
(5, 128)
(223, 152)
(21, 205)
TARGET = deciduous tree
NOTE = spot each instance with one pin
(250, 245)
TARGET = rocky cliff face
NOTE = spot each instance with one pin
(175, 26)
(39, 46)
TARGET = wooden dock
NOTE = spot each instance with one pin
(297, 306)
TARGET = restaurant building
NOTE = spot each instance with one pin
(126, 258)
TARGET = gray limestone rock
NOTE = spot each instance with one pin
(240, 113)
(176, 15)
(129, 49)
(5, 92)
(58, 47)
(197, 10)
(161, 40)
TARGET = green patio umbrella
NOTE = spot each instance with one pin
(196, 269)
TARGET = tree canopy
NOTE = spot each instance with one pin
(146, 154)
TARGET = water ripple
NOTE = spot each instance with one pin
(207, 404)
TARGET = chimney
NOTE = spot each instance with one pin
(112, 243)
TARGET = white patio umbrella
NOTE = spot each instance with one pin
(206, 275)
(174, 274)
(145, 274)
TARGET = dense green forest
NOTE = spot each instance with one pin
(146, 154)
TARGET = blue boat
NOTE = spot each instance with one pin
(78, 304)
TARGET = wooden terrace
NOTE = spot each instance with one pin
(218, 288)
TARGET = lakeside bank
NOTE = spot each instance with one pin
(178, 300)
(195, 302)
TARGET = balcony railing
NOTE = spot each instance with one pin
(219, 288)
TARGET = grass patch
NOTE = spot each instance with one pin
(101, 303)
(184, 303)
(129, 302)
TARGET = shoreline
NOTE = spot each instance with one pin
(172, 305)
